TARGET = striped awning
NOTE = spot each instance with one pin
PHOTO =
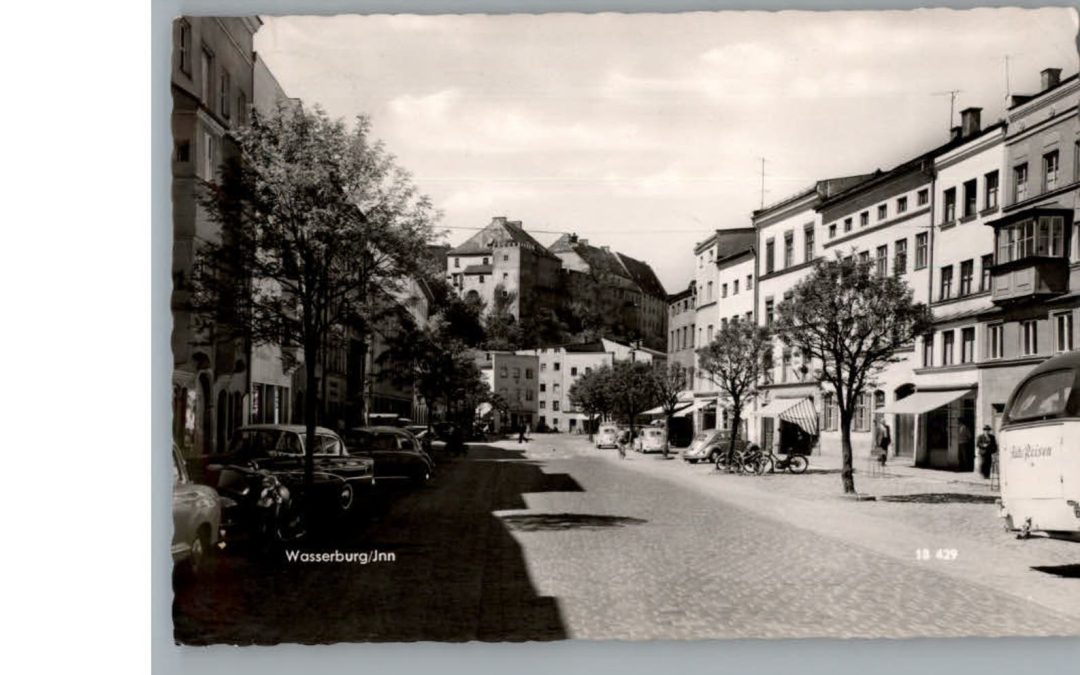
(659, 410)
(799, 411)
(700, 404)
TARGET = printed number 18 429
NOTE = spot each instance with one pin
(945, 554)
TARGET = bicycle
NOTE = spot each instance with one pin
(770, 462)
(738, 461)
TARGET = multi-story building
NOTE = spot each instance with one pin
(681, 313)
(212, 74)
(561, 366)
(788, 242)
(928, 412)
(723, 278)
(503, 257)
(514, 378)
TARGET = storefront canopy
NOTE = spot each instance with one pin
(659, 410)
(799, 411)
(700, 404)
(924, 401)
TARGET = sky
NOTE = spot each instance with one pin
(646, 132)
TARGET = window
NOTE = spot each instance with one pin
(789, 249)
(769, 305)
(528, 395)
(770, 248)
(503, 372)
(1028, 238)
(864, 256)
(922, 198)
(206, 73)
(881, 263)
(985, 265)
(920, 250)
(555, 365)
(832, 231)
(1020, 180)
(723, 290)
(864, 219)
(241, 108)
(928, 350)
(517, 373)
(223, 93)
(971, 191)
(588, 370)
(900, 257)
(481, 278)
(543, 367)
(735, 287)
(861, 421)
(749, 316)
(555, 389)
(506, 257)
(995, 341)
(485, 261)
(1045, 395)
(709, 333)
(709, 297)
(573, 371)
(1063, 332)
(749, 282)
(828, 405)
(543, 386)
(949, 213)
(808, 243)
(847, 224)
(1029, 338)
(785, 364)
(967, 274)
(948, 338)
(901, 205)
(555, 406)
(184, 47)
(208, 156)
(1050, 170)
(946, 283)
(183, 152)
(991, 180)
(457, 262)
(967, 345)
(882, 211)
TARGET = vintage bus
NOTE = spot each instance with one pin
(1039, 451)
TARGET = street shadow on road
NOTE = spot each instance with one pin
(567, 521)
(458, 574)
(1067, 571)
(940, 498)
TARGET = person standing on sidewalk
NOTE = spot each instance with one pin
(987, 445)
(882, 441)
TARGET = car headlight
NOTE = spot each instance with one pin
(284, 492)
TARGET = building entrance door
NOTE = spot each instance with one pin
(767, 433)
(905, 436)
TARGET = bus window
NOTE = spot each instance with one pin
(1044, 395)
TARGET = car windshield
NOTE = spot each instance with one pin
(367, 441)
(328, 445)
(255, 442)
(1042, 396)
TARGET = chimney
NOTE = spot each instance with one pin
(1051, 77)
(954, 134)
(969, 122)
(573, 238)
(498, 220)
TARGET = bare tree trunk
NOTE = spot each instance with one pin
(847, 473)
(311, 402)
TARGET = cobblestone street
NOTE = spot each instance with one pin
(554, 539)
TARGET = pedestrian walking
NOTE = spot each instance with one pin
(882, 441)
(988, 447)
(521, 434)
(622, 442)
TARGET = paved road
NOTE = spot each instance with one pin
(550, 544)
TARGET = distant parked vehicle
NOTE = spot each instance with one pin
(651, 439)
(196, 519)
(607, 436)
(708, 445)
(398, 454)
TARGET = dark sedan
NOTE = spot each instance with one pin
(396, 451)
(279, 448)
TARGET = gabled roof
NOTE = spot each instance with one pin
(500, 232)
(643, 275)
(601, 260)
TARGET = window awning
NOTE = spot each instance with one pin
(799, 411)
(700, 404)
(659, 410)
(924, 401)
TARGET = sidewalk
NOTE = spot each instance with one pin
(913, 510)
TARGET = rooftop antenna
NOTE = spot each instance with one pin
(952, 102)
(1008, 89)
(762, 182)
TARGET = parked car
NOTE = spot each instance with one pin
(397, 453)
(709, 444)
(607, 436)
(279, 449)
(651, 439)
(196, 519)
(426, 437)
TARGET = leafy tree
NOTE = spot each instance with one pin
(592, 393)
(734, 360)
(669, 380)
(632, 389)
(852, 323)
(318, 229)
(501, 328)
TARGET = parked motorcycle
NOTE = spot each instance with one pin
(793, 462)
